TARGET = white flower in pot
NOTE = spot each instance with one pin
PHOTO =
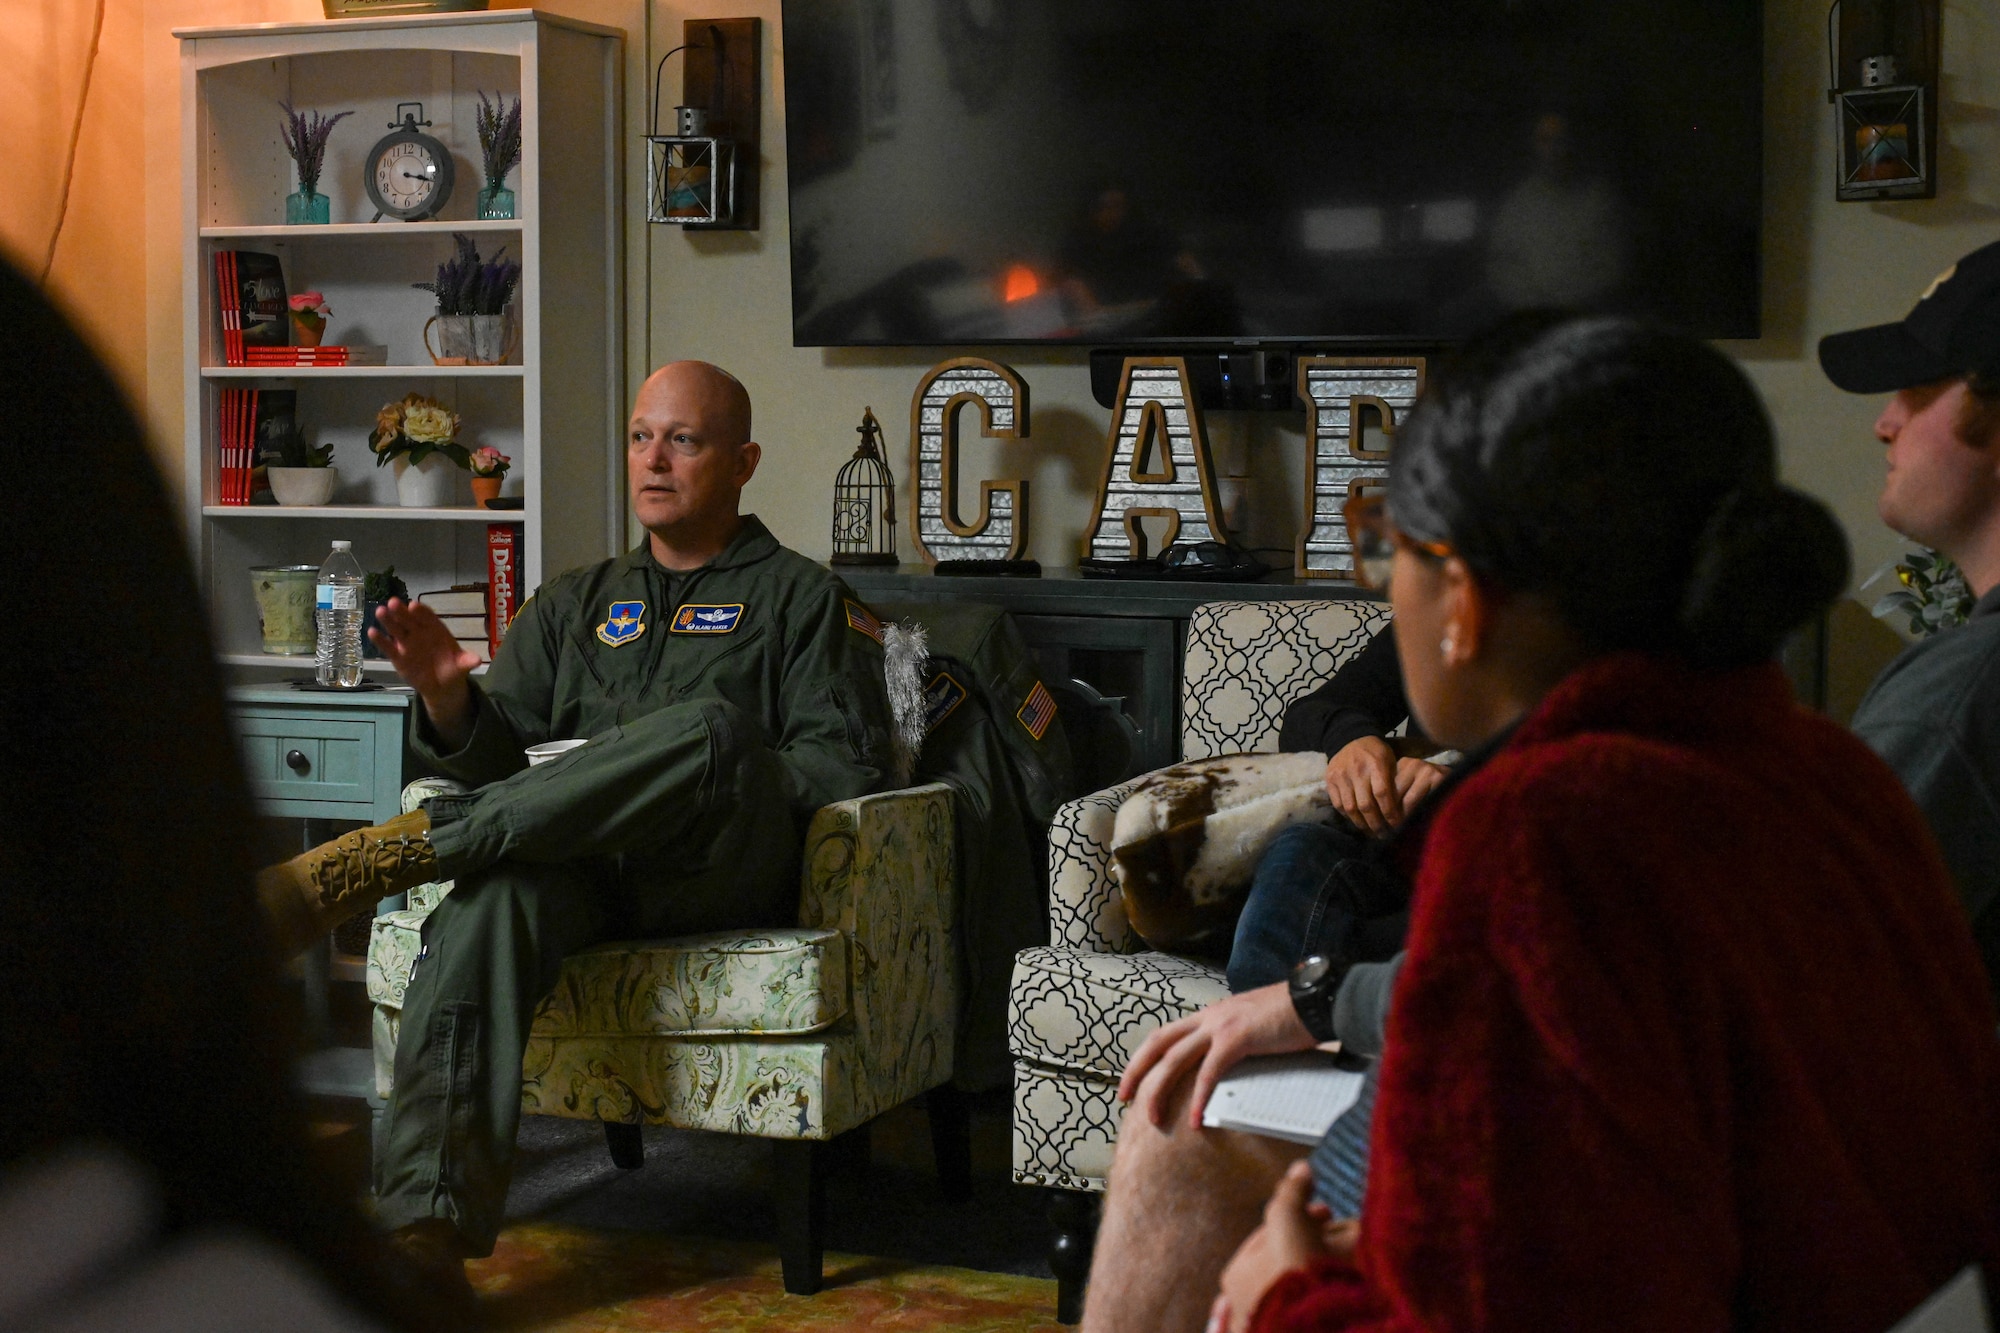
(419, 436)
(301, 474)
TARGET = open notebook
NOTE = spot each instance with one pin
(1959, 1306)
(1294, 1097)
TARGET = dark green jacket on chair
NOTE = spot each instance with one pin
(995, 739)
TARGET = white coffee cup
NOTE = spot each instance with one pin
(547, 750)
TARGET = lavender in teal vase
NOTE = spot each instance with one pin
(500, 150)
(305, 134)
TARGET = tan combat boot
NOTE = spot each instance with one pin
(310, 894)
(434, 1259)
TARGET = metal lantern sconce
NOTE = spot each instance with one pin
(1883, 62)
(704, 174)
(690, 174)
(864, 503)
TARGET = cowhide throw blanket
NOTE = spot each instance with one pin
(1186, 843)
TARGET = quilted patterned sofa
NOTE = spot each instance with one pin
(1079, 1006)
(792, 1035)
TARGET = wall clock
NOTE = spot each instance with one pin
(407, 172)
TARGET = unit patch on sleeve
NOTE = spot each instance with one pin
(941, 699)
(624, 622)
(861, 618)
(692, 619)
(1037, 711)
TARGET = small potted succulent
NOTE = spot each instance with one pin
(309, 312)
(420, 436)
(301, 473)
(377, 587)
(489, 468)
(472, 312)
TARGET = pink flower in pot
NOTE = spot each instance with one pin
(488, 466)
(309, 312)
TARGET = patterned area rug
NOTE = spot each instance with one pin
(560, 1279)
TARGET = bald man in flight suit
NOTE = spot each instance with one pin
(728, 688)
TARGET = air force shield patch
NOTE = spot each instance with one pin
(624, 622)
(692, 619)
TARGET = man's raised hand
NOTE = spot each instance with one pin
(430, 660)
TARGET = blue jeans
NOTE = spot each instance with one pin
(1316, 891)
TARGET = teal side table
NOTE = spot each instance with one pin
(318, 756)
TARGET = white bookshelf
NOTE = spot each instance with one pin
(557, 410)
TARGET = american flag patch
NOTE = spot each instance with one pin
(1038, 711)
(860, 618)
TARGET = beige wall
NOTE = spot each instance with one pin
(1828, 266)
(726, 296)
(99, 273)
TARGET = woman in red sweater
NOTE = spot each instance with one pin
(1691, 1034)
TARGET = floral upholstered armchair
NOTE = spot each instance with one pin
(791, 1035)
(1081, 1005)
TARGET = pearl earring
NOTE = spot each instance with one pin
(1448, 646)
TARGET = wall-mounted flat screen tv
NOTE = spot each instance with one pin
(1303, 171)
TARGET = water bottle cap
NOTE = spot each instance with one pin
(343, 546)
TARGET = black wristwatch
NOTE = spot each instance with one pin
(1315, 982)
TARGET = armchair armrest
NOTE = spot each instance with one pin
(1085, 911)
(881, 870)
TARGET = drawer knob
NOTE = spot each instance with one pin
(296, 761)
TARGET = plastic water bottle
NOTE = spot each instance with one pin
(337, 618)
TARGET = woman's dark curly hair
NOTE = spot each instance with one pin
(1626, 473)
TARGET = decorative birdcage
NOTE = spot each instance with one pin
(864, 503)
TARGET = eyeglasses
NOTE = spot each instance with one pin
(1375, 540)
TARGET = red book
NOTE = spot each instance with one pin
(225, 441)
(239, 428)
(247, 458)
(295, 356)
(503, 598)
(232, 312)
(236, 303)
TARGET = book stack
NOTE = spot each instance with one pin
(250, 289)
(315, 356)
(247, 420)
(462, 608)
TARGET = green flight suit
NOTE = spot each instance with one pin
(723, 705)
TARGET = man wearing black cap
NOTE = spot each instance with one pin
(1934, 714)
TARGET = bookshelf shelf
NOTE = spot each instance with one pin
(558, 414)
(362, 372)
(303, 664)
(385, 230)
(391, 513)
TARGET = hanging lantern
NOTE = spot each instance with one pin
(1884, 67)
(704, 174)
(690, 176)
(864, 503)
